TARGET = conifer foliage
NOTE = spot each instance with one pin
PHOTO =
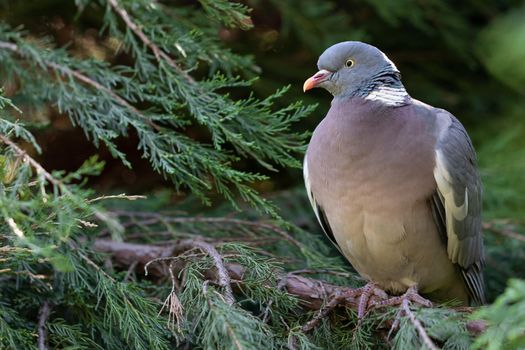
(157, 96)
(81, 269)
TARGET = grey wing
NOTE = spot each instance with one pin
(457, 203)
(318, 210)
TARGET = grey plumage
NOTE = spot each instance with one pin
(393, 181)
(464, 184)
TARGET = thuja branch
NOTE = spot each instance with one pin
(85, 80)
(41, 171)
(158, 52)
(312, 293)
(223, 276)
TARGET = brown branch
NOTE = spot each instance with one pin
(43, 316)
(223, 276)
(312, 293)
(160, 55)
(141, 254)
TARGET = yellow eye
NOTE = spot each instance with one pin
(349, 63)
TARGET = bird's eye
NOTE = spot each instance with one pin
(349, 63)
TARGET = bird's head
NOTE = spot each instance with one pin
(351, 68)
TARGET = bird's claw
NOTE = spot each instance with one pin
(367, 293)
(372, 296)
(411, 296)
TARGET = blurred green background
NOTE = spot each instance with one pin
(465, 56)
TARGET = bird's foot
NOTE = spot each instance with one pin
(411, 296)
(364, 295)
(368, 297)
(367, 294)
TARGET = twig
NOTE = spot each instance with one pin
(117, 196)
(43, 316)
(419, 327)
(159, 54)
(223, 276)
(171, 259)
(335, 301)
(173, 304)
(280, 285)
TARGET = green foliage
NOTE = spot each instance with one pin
(102, 98)
(506, 320)
(231, 14)
(40, 257)
(217, 324)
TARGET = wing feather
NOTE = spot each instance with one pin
(456, 205)
(318, 210)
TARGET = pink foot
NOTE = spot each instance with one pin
(410, 296)
(367, 295)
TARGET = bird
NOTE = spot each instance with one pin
(394, 184)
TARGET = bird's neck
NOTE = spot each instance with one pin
(385, 88)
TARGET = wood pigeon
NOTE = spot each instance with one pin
(394, 182)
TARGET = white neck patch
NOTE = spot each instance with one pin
(390, 96)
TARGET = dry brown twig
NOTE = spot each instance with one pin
(173, 304)
(223, 277)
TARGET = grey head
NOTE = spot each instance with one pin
(353, 68)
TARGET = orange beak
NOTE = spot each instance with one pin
(316, 79)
